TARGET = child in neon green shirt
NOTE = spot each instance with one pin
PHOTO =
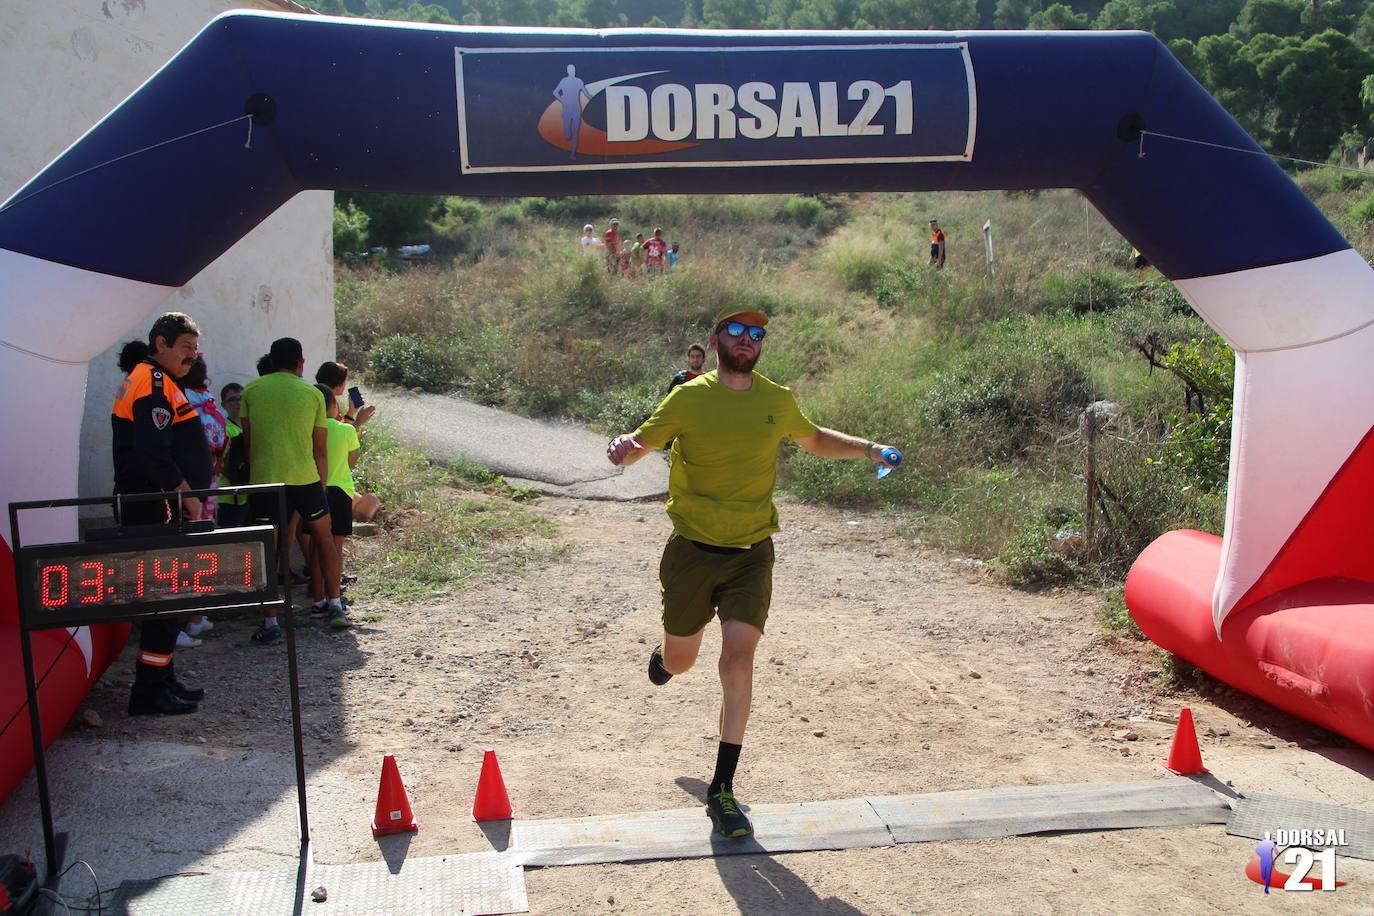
(341, 441)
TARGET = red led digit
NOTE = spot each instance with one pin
(214, 568)
(96, 582)
(167, 575)
(138, 587)
(248, 569)
(50, 596)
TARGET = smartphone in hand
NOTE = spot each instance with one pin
(355, 396)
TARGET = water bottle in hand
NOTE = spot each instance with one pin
(893, 458)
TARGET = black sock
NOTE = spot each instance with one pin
(727, 758)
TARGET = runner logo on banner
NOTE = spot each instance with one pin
(555, 109)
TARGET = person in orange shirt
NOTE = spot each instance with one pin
(611, 239)
(158, 446)
(937, 245)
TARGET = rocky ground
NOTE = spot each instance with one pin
(887, 669)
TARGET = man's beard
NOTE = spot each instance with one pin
(728, 361)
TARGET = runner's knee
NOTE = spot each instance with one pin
(677, 658)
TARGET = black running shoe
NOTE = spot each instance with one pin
(267, 636)
(657, 673)
(725, 814)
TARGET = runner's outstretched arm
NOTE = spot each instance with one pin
(829, 443)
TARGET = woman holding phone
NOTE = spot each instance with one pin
(334, 376)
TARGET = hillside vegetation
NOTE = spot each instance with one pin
(982, 379)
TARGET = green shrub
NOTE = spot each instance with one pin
(1033, 559)
(897, 285)
(394, 219)
(413, 362)
(422, 302)
(487, 360)
(804, 211)
(1200, 446)
(1114, 617)
(1091, 290)
(617, 410)
(860, 271)
(1145, 496)
(456, 228)
(576, 210)
(509, 216)
(350, 230)
(1363, 211)
(1341, 180)
(999, 394)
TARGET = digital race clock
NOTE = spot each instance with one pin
(69, 584)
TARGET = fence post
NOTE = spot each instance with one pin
(1090, 477)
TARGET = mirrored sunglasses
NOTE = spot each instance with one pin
(737, 329)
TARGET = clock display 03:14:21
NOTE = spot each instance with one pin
(130, 577)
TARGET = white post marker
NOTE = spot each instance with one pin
(987, 243)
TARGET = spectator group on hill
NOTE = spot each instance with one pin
(651, 257)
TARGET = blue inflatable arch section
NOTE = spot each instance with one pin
(355, 105)
(94, 243)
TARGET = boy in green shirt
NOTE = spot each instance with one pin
(725, 427)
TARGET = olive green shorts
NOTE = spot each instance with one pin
(698, 584)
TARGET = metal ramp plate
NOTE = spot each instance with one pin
(869, 822)
(687, 833)
(493, 882)
(1255, 814)
(1022, 810)
(475, 883)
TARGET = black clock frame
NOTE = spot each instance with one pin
(180, 532)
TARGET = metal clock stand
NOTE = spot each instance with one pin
(40, 569)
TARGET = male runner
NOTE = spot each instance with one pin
(726, 426)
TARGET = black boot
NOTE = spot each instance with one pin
(180, 690)
(157, 700)
(190, 694)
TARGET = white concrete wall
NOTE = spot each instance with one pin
(64, 64)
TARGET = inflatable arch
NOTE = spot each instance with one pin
(263, 106)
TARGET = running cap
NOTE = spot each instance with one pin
(587, 228)
(750, 316)
(933, 220)
(615, 222)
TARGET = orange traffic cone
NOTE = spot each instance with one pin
(393, 813)
(1185, 757)
(492, 803)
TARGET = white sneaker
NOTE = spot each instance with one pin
(205, 625)
(187, 641)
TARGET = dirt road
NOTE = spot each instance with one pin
(886, 669)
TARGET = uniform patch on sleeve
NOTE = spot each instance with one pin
(161, 417)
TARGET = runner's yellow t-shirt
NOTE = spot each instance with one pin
(343, 441)
(725, 456)
(282, 410)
